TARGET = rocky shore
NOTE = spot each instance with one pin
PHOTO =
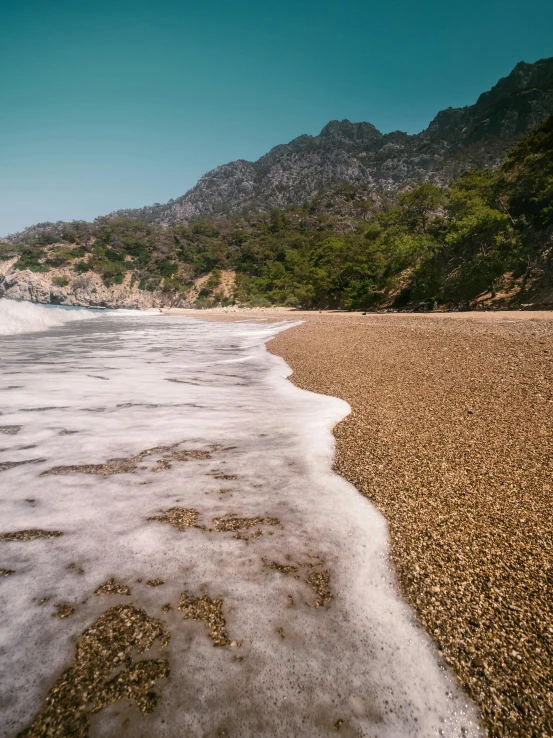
(63, 287)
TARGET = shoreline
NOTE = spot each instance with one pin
(294, 314)
(164, 522)
(450, 436)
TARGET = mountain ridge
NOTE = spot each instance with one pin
(477, 135)
(484, 239)
(357, 153)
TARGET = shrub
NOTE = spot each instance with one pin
(258, 301)
(203, 302)
(214, 280)
(81, 267)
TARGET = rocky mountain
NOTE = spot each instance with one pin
(484, 239)
(478, 135)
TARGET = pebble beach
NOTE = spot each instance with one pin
(367, 619)
(450, 437)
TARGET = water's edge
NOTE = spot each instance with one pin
(309, 601)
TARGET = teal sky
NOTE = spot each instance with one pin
(122, 103)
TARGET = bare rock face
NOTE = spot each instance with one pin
(478, 135)
(85, 290)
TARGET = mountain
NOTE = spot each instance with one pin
(457, 139)
(486, 239)
(359, 238)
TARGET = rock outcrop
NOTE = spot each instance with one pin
(86, 289)
(64, 287)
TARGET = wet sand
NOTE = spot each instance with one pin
(450, 437)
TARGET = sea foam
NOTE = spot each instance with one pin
(143, 440)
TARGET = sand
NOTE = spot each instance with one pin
(450, 436)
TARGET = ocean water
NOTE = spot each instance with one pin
(224, 530)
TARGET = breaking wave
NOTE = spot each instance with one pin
(26, 317)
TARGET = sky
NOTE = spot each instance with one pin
(109, 104)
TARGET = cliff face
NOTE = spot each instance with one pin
(62, 287)
(87, 289)
(478, 135)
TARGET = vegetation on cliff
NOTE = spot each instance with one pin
(488, 231)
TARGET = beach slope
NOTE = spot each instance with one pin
(450, 437)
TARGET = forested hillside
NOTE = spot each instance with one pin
(487, 236)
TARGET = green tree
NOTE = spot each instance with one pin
(421, 205)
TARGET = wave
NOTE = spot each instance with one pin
(26, 317)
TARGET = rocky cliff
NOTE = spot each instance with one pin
(478, 135)
(348, 248)
(62, 287)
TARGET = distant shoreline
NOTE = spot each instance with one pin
(274, 313)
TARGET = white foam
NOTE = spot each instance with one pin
(26, 317)
(361, 659)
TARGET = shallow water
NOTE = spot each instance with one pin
(313, 637)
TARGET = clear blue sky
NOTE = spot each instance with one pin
(120, 103)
